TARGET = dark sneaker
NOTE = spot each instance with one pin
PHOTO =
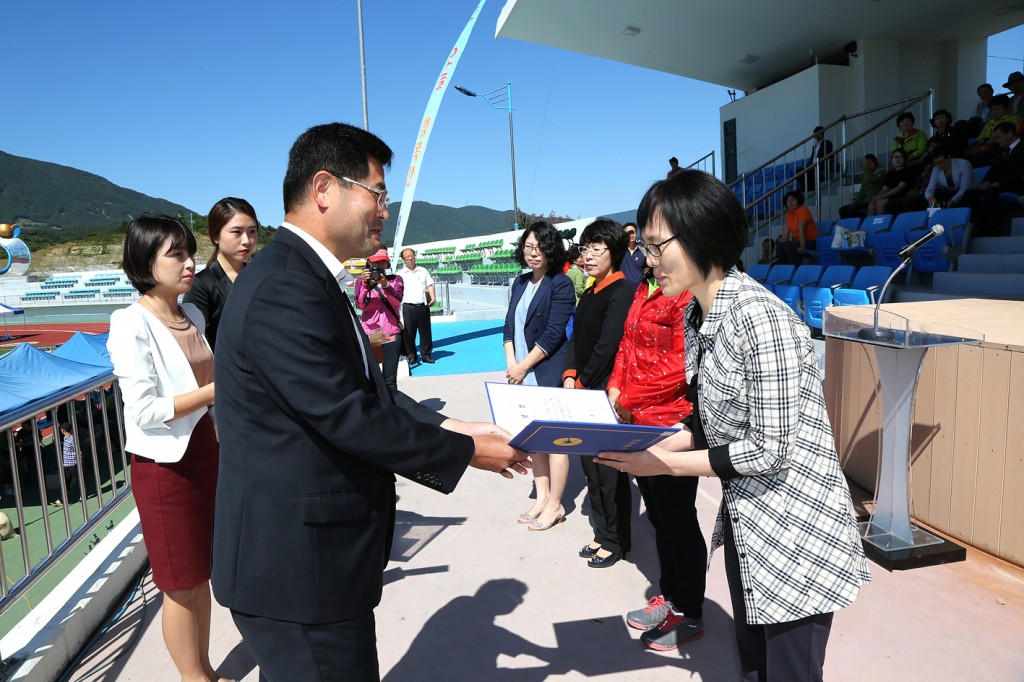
(650, 615)
(676, 629)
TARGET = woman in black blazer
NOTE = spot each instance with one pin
(233, 231)
(534, 337)
(597, 331)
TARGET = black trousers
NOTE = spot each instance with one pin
(682, 552)
(610, 506)
(391, 351)
(417, 318)
(778, 652)
(336, 652)
(785, 252)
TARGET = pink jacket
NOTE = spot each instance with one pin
(375, 314)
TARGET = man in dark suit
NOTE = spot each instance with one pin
(819, 151)
(311, 436)
(1005, 175)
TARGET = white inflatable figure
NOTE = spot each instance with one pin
(14, 254)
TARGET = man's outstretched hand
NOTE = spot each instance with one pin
(491, 451)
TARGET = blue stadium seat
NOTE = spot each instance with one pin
(877, 223)
(911, 220)
(825, 226)
(789, 291)
(957, 222)
(848, 223)
(865, 286)
(818, 297)
(887, 246)
(827, 256)
(779, 273)
(979, 174)
(759, 272)
(930, 257)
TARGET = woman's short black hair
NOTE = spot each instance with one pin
(901, 152)
(796, 194)
(906, 114)
(608, 232)
(146, 235)
(550, 241)
(704, 216)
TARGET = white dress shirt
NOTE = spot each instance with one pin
(416, 283)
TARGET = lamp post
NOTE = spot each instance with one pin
(501, 98)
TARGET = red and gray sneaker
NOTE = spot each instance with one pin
(676, 629)
(650, 615)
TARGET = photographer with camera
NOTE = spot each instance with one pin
(378, 295)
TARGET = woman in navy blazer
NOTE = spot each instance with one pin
(543, 300)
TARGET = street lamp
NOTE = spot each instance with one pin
(501, 98)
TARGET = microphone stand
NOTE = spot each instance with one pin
(886, 334)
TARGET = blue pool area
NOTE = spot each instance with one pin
(465, 348)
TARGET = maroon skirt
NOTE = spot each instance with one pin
(175, 503)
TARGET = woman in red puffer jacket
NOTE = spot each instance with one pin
(648, 386)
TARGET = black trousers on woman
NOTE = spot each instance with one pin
(776, 652)
(611, 506)
(682, 552)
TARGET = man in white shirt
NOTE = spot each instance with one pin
(419, 296)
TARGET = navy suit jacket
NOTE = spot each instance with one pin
(309, 447)
(546, 319)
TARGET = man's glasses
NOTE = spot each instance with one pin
(382, 194)
(653, 250)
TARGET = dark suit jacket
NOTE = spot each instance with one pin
(1008, 171)
(209, 293)
(309, 445)
(546, 319)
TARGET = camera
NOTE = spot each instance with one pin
(376, 273)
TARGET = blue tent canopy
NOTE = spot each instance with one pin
(90, 349)
(29, 377)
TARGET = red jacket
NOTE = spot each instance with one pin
(650, 367)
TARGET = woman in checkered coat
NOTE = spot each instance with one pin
(793, 552)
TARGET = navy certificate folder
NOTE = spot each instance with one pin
(574, 438)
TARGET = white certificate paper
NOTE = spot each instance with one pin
(514, 406)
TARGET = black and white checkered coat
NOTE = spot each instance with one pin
(761, 404)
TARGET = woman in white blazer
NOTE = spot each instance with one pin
(165, 369)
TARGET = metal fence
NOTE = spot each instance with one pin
(54, 506)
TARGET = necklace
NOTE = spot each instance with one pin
(177, 325)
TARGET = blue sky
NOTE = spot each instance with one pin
(192, 101)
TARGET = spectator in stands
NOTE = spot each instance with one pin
(800, 234)
(985, 148)
(870, 185)
(379, 295)
(165, 368)
(69, 463)
(234, 231)
(633, 262)
(674, 168)
(793, 552)
(575, 272)
(895, 184)
(946, 134)
(952, 181)
(981, 110)
(912, 141)
(767, 253)
(419, 296)
(647, 387)
(541, 304)
(819, 150)
(597, 330)
(1005, 175)
(1015, 84)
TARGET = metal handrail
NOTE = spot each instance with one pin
(908, 101)
(103, 502)
(833, 154)
(700, 162)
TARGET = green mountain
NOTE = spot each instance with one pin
(37, 194)
(433, 222)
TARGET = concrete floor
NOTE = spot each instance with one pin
(472, 596)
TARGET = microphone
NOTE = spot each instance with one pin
(909, 249)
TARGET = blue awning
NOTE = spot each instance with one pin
(30, 377)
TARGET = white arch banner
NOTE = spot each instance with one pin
(423, 136)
